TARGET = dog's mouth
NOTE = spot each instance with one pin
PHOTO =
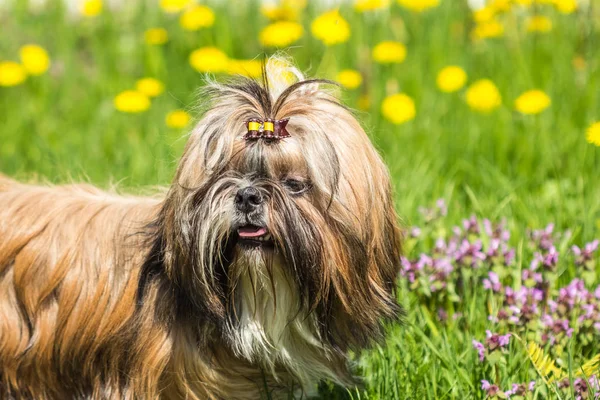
(252, 235)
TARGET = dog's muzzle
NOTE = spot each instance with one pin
(252, 232)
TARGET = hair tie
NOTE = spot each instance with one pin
(268, 129)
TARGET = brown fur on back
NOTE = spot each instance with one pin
(70, 259)
(63, 304)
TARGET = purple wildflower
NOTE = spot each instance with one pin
(441, 207)
(415, 232)
(548, 260)
(491, 390)
(569, 296)
(499, 253)
(554, 328)
(495, 341)
(584, 389)
(586, 255)
(498, 232)
(551, 258)
(471, 226)
(543, 238)
(493, 283)
(520, 306)
(457, 231)
(440, 271)
(470, 253)
(509, 256)
(442, 315)
(412, 269)
(530, 275)
(520, 389)
(480, 349)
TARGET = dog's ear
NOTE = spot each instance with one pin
(208, 150)
(197, 283)
(364, 243)
(363, 277)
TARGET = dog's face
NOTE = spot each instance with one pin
(267, 236)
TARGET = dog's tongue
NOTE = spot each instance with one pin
(251, 231)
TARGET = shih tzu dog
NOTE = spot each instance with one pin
(273, 254)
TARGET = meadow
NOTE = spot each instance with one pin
(487, 119)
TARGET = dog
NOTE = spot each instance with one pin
(272, 255)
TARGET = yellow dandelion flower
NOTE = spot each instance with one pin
(331, 28)
(370, 5)
(500, 5)
(280, 13)
(483, 96)
(451, 78)
(593, 134)
(35, 59)
(488, 29)
(565, 6)
(524, 3)
(539, 23)
(532, 102)
(197, 17)
(389, 52)
(156, 36)
(419, 5)
(91, 8)
(250, 68)
(11, 73)
(349, 78)
(209, 59)
(173, 6)
(484, 14)
(297, 4)
(398, 108)
(287, 10)
(131, 101)
(281, 34)
(150, 87)
(177, 119)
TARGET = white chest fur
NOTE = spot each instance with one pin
(272, 330)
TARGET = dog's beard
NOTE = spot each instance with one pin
(267, 278)
(268, 325)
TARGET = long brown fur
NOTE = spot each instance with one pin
(105, 296)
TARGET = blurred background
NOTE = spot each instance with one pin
(485, 103)
(492, 105)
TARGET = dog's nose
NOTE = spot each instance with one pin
(248, 199)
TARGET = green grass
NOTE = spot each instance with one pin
(530, 169)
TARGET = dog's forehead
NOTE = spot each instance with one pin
(271, 159)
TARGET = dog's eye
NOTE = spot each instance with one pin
(295, 186)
